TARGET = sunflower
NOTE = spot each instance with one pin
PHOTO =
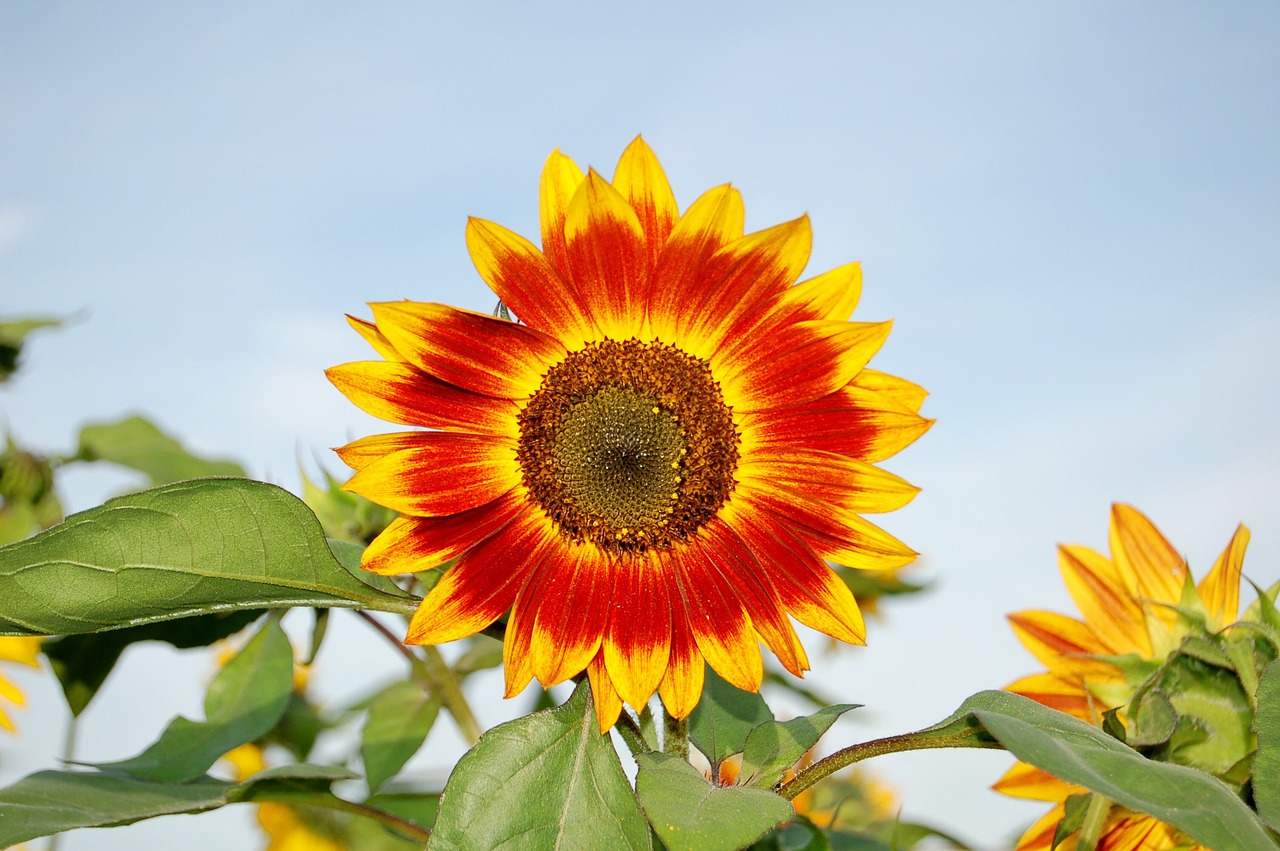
(653, 465)
(22, 650)
(1131, 605)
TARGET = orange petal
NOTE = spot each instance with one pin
(1146, 558)
(571, 598)
(831, 295)
(806, 586)
(561, 178)
(852, 421)
(412, 544)
(682, 685)
(527, 283)
(640, 179)
(1039, 837)
(482, 585)
(360, 453)
(404, 394)
(1098, 590)
(607, 256)
(517, 642)
(603, 694)
(1220, 588)
(850, 541)
(471, 350)
(1063, 644)
(442, 473)
(718, 620)
(374, 338)
(637, 644)
(1027, 781)
(841, 486)
(1065, 694)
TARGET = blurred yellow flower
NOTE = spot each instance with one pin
(285, 831)
(24, 651)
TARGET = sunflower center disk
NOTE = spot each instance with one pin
(628, 445)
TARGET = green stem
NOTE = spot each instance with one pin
(400, 825)
(68, 756)
(631, 734)
(845, 757)
(675, 736)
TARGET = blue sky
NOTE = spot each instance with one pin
(1070, 210)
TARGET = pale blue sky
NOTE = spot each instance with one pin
(1071, 210)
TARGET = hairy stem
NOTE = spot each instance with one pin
(675, 736)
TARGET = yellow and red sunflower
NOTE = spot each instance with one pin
(1130, 606)
(23, 650)
(654, 464)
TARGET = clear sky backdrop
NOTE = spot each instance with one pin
(1071, 210)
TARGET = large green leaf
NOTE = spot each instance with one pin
(82, 662)
(690, 813)
(775, 746)
(138, 444)
(724, 717)
(244, 702)
(1196, 803)
(194, 547)
(50, 802)
(1266, 761)
(548, 780)
(398, 723)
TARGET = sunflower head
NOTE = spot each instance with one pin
(651, 465)
(1161, 662)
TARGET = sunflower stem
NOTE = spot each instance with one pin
(445, 683)
(631, 734)
(845, 757)
(675, 736)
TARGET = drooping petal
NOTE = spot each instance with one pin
(607, 256)
(637, 644)
(1039, 837)
(809, 589)
(1027, 781)
(517, 640)
(807, 361)
(468, 349)
(640, 179)
(852, 421)
(483, 584)
(412, 544)
(1065, 694)
(1098, 591)
(400, 393)
(606, 698)
(681, 686)
(571, 599)
(1063, 644)
(561, 178)
(443, 473)
(719, 622)
(712, 221)
(1220, 588)
(527, 283)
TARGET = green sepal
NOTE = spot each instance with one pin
(724, 717)
(774, 746)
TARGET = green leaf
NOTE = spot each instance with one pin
(724, 717)
(800, 835)
(195, 547)
(689, 813)
(82, 662)
(548, 780)
(418, 807)
(1266, 760)
(775, 746)
(50, 802)
(13, 334)
(398, 723)
(244, 702)
(1196, 803)
(138, 444)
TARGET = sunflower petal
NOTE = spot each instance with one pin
(400, 393)
(604, 695)
(1145, 557)
(571, 599)
(482, 585)
(517, 641)
(1063, 644)
(842, 486)
(471, 350)
(374, 338)
(640, 179)
(681, 686)
(444, 473)
(527, 283)
(561, 178)
(359, 454)
(850, 541)
(1220, 588)
(1027, 781)
(905, 393)
(1098, 591)
(831, 295)
(719, 622)
(637, 644)
(607, 256)
(413, 544)
(1065, 694)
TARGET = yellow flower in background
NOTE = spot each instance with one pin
(1130, 623)
(654, 464)
(285, 831)
(24, 651)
